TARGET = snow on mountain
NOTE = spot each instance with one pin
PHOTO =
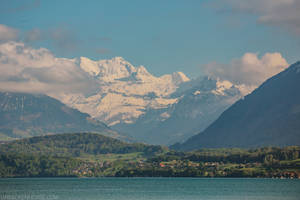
(199, 103)
(116, 92)
(133, 100)
(107, 70)
(158, 110)
(124, 92)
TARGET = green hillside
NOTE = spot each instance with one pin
(263, 162)
(74, 154)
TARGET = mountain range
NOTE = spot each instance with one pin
(199, 103)
(132, 101)
(194, 113)
(156, 110)
(122, 92)
(269, 116)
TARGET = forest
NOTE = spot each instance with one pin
(93, 155)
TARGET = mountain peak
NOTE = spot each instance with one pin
(89, 66)
(118, 59)
(179, 77)
(142, 70)
(109, 69)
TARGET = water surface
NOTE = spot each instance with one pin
(148, 189)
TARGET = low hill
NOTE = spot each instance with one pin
(269, 116)
(75, 145)
(25, 115)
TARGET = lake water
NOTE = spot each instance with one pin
(148, 189)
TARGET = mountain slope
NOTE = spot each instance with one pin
(270, 115)
(25, 115)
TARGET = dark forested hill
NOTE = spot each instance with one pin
(25, 115)
(75, 145)
(269, 116)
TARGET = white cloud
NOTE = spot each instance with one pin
(249, 69)
(281, 13)
(25, 69)
(7, 33)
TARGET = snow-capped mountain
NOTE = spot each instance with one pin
(199, 103)
(158, 110)
(124, 92)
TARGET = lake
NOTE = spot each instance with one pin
(148, 189)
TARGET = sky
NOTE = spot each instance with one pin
(193, 36)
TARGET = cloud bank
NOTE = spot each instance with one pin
(249, 69)
(24, 69)
(281, 13)
(7, 33)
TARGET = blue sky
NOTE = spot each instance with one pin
(165, 36)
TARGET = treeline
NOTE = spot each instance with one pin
(24, 165)
(196, 172)
(260, 155)
(261, 162)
